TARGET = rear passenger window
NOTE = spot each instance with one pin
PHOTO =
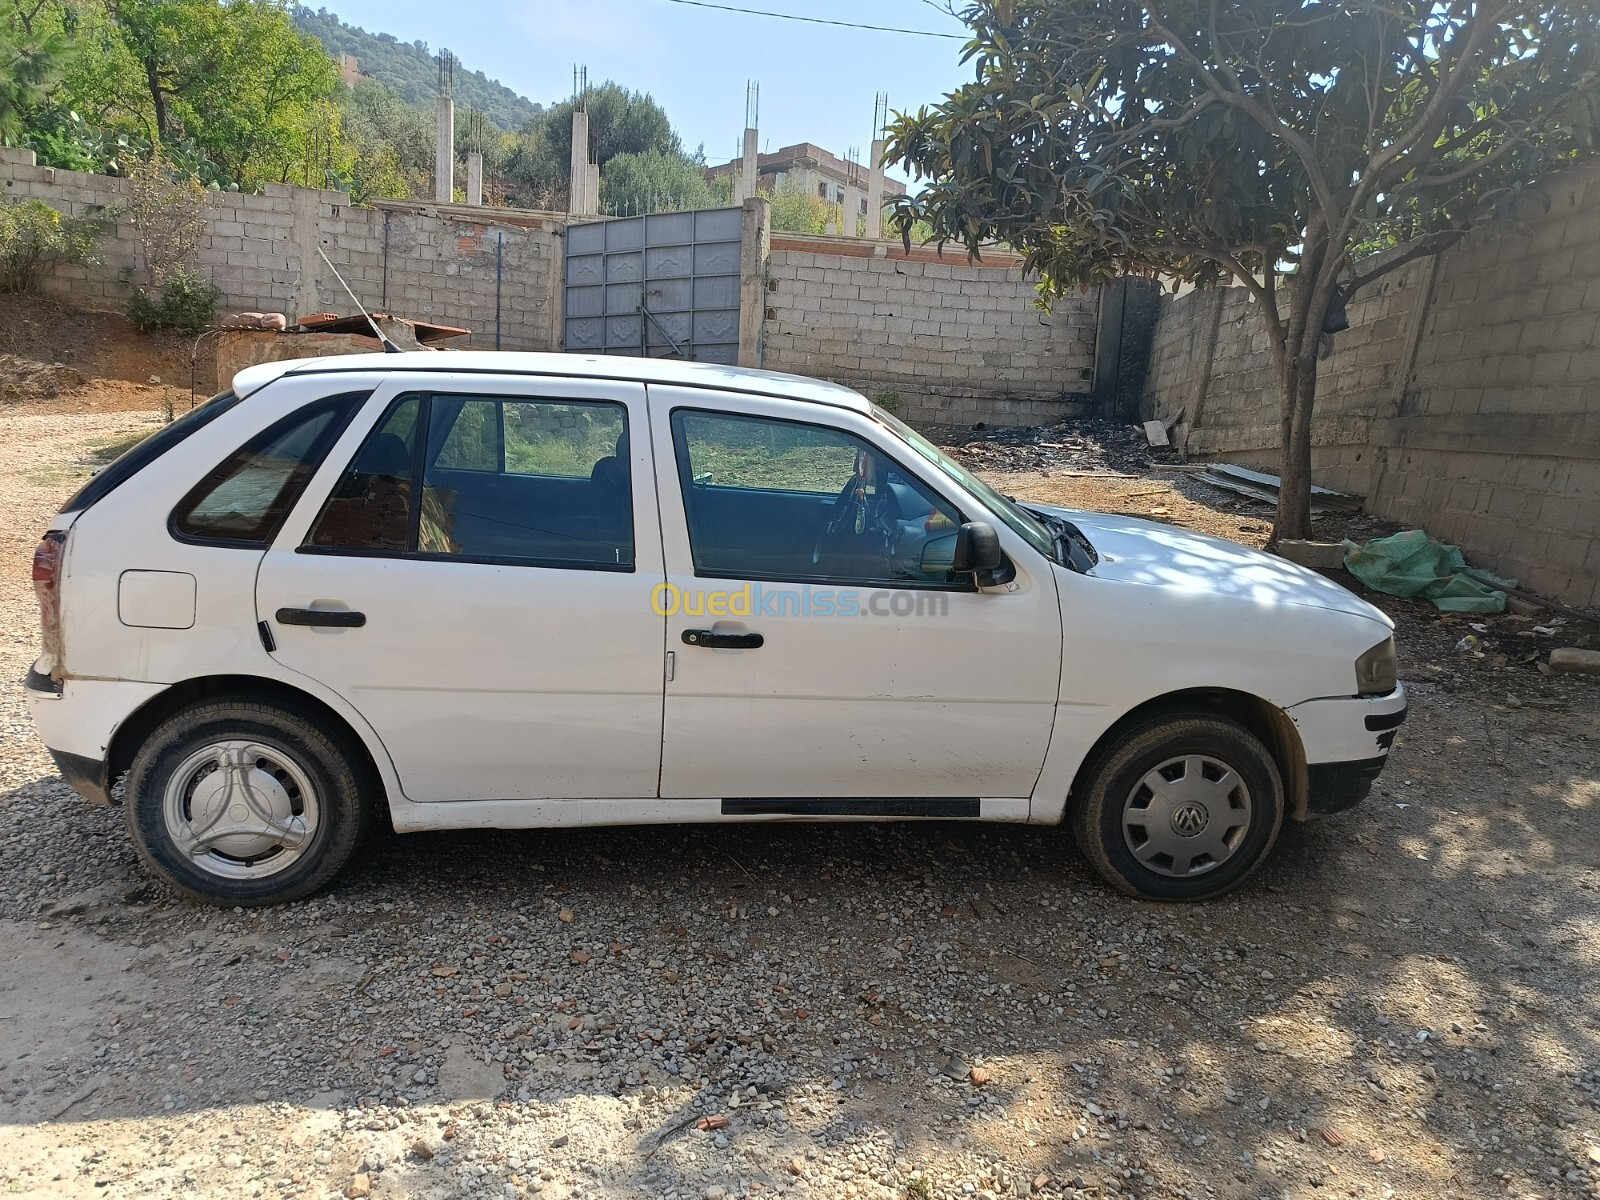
(370, 509)
(473, 443)
(559, 495)
(539, 483)
(245, 498)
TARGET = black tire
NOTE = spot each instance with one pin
(1112, 781)
(336, 771)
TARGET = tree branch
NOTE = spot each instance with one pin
(1264, 117)
(1436, 243)
(1469, 169)
(1380, 168)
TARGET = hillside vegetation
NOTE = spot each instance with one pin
(411, 69)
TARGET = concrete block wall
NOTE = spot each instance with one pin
(952, 342)
(1464, 399)
(425, 262)
(1497, 442)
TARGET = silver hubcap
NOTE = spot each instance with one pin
(1186, 816)
(241, 810)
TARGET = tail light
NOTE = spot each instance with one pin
(47, 586)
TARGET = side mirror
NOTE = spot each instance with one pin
(977, 548)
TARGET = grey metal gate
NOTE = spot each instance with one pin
(664, 285)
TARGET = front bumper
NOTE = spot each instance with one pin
(1334, 787)
(1346, 743)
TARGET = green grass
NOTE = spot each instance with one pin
(50, 477)
(105, 449)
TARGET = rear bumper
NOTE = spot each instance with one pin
(86, 776)
(76, 720)
(1346, 744)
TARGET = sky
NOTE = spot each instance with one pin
(817, 82)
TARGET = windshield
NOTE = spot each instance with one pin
(1022, 523)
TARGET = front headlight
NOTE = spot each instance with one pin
(1376, 670)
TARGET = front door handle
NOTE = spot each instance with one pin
(333, 618)
(722, 641)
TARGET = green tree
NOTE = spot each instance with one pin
(1270, 142)
(620, 122)
(797, 209)
(237, 80)
(653, 181)
(33, 55)
(390, 141)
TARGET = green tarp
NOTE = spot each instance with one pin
(1412, 564)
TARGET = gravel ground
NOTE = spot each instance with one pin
(1403, 1003)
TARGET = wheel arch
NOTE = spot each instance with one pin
(1266, 720)
(137, 727)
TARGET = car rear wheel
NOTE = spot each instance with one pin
(1183, 806)
(246, 801)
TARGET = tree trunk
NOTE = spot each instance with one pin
(1294, 483)
(1312, 297)
(158, 98)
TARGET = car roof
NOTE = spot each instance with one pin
(579, 366)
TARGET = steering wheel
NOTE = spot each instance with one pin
(842, 515)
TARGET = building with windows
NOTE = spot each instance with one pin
(831, 178)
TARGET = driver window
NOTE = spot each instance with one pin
(783, 500)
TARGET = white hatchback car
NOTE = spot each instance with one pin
(513, 591)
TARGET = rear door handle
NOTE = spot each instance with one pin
(333, 618)
(722, 641)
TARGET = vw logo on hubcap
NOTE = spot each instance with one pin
(1189, 819)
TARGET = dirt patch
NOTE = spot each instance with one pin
(60, 359)
(26, 379)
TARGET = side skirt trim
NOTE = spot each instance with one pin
(894, 806)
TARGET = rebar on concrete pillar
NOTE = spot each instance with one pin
(475, 177)
(444, 153)
(750, 164)
(749, 172)
(875, 191)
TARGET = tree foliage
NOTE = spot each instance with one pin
(620, 122)
(1270, 142)
(33, 55)
(166, 208)
(390, 141)
(233, 94)
(798, 209)
(236, 79)
(653, 181)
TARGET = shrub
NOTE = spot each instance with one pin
(185, 303)
(167, 209)
(34, 236)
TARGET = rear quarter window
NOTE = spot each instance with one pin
(244, 499)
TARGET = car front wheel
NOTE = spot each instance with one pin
(246, 801)
(1183, 806)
